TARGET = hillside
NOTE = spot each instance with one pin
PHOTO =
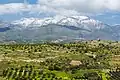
(58, 28)
(71, 61)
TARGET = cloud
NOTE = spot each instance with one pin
(62, 7)
(11, 8)
(82, 5)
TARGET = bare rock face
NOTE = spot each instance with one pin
(75, 63)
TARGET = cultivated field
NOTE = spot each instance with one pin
(85, 60)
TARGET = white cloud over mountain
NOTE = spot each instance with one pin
(62, 7)
(82, 5)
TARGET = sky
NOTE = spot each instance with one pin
(107, 11)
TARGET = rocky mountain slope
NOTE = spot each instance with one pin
(59, 28)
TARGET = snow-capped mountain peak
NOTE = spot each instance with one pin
(77, 21)
(59, 28)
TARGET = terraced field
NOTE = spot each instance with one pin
(85, 60)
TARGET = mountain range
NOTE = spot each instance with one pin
(57, 29)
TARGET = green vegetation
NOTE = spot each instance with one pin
(85, 60)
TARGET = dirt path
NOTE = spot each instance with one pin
(25, 59)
